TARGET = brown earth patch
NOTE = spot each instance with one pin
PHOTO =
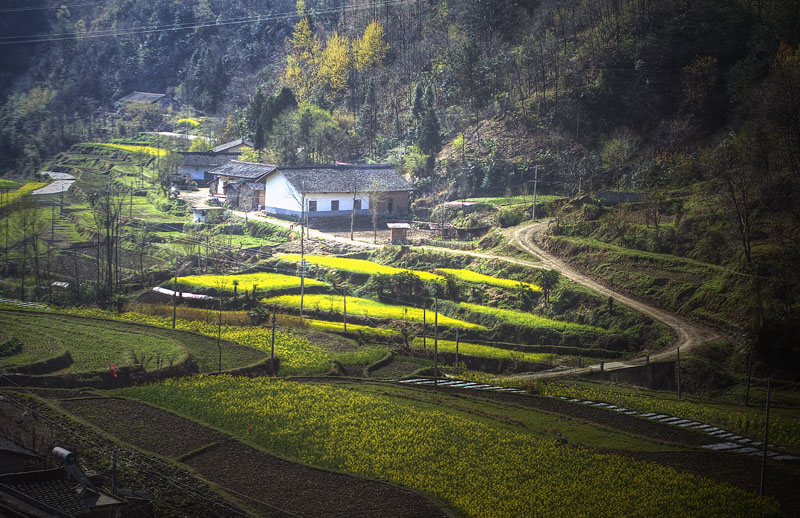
(273, 486)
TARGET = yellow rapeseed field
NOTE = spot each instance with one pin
(475, 468)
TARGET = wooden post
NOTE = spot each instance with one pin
(766, 439)
(272, 348)
(302, 284)
(219, 335)
(457, 329)
(749, 375)
(175, 294)
(535, 184)
(435, 341)
(678, 372)
(424, 325)
(344, 296)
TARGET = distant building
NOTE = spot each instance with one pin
(196, 165)
(327, 190)
(163, 100)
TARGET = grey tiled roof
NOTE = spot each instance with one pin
(48, 487)
(246, 170)
(342, 178)
(323, 178)
(136, 97)
(232, 144)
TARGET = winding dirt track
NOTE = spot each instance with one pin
(689, 334)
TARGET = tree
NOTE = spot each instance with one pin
(370, 49)
(548, 280)
(429, 136)
(375, 193)
(302, 63)
(107, 209)
(367, 125)
(334, 65)
(250, 154)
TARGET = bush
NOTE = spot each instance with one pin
(10, 347)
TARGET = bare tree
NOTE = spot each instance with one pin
(299, 191)
(375, 194)
(107, 209)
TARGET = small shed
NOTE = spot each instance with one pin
(206, 214)
(399, 232)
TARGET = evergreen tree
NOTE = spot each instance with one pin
(429, 135)
(367, 126)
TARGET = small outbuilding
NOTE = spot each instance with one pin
(399, 232)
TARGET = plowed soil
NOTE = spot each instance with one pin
(270, 485)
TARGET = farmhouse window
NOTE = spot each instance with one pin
(357, 204)
(312, 206)
(391, 205)
(334, 204)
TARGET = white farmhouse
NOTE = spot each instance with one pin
(326, 191)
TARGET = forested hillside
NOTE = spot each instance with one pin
(696, 104)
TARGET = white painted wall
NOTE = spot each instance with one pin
(345, 200)
(280, 194)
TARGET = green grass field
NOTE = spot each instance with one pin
(95, 344)
(517, 200)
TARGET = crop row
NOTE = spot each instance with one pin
(357, 266)
(479, 278)
(14, 195)
(297, 354)
(148, 150)
(521, 318)
(475, 468)
(484, 351)
(245, 282)
(92, 347)
(368, 308)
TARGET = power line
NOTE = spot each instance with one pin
(46, 8)
(40, 38)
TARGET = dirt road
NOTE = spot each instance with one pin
(688, 333)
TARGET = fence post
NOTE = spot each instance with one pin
(766, 439)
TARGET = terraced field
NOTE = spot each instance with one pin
(95, 344)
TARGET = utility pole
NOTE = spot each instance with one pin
(424, 325)
(302, 283)
(435, 342)
(766, 438)
(219, 335)
(535, 184)
(175, 294)
(678, 372)
(457, 329)
(344, 297)
(272, 348)
(749, 374)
